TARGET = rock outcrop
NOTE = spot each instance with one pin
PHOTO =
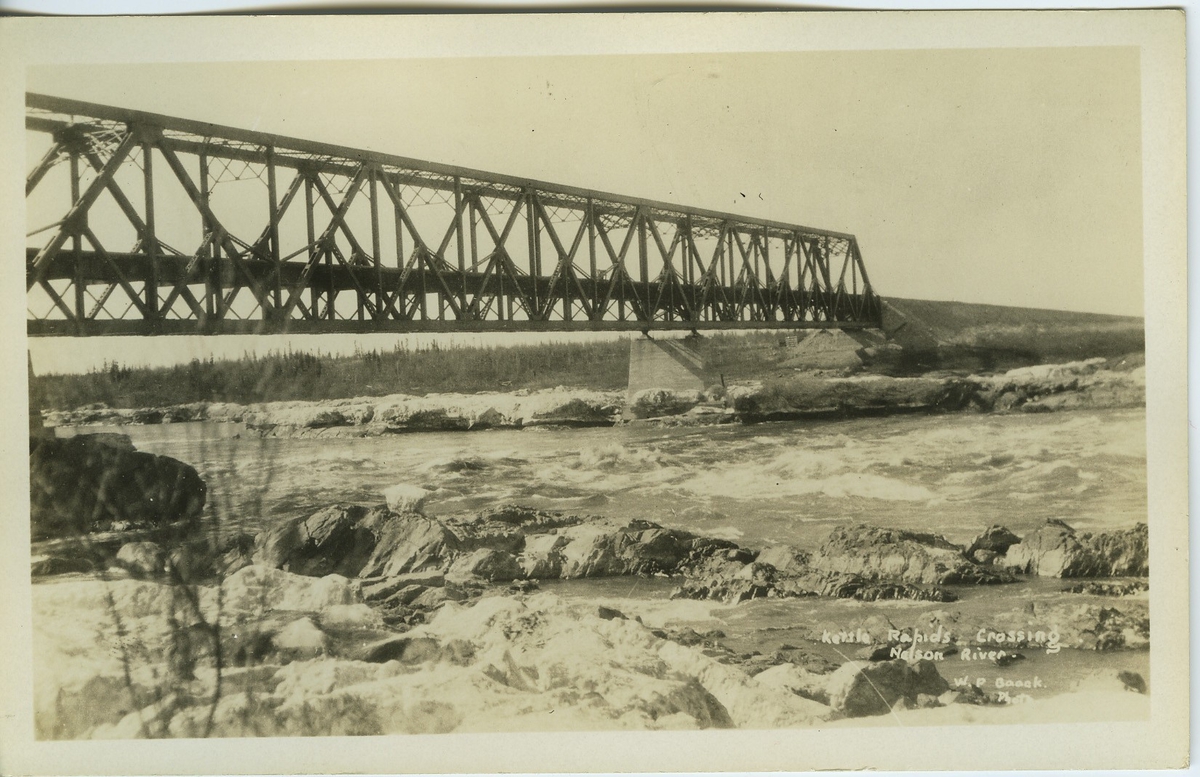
(336, 539)
(811, 396)
(498, 545)
(98, 483)
(735, 576)
(993, 542)
(1093, 383)
(903, 556)
(1057, 550)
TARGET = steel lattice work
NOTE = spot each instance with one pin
(159, 225)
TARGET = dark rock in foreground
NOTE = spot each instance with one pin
(858, 690)
(99, 483)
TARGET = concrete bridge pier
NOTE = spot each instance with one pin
(664, 364)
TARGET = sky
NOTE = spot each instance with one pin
(1002, 176)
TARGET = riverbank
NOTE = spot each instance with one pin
(1094, 383)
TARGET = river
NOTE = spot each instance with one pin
(786, 482)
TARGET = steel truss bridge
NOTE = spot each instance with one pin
(144, 224)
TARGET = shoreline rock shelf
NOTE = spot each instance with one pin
(1085, 384)
(306, 656)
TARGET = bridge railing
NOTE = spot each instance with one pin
(155, 224)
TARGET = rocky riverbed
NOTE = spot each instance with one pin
(382, 618)
(1094, 383)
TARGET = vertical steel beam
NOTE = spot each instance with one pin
(330, 291)
(644, 262)
(150, 238)
(535, 253)
(210, 252)
(401, 293)
(376, 258)
(273, 204)
(590, 214)
(460, 244)
(77, 247)
(313, 249)
(473, 220)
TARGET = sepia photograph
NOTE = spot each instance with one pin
(829, 388)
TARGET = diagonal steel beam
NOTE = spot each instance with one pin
(339, 210)
(71, 225)
(57, 300)
(42, 167)
(222, 234)
(116, 268)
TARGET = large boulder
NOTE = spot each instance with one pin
(575, 409)
(607, 549)
(542, 556)
(356, 541)
(408, 543)
(730, 577)
(796, 679)
(903, 556)
(255, 590)
(495, 566)
(993, 542)
(332, 540)
(784, 558)
(92, 483)
(843, 586)
(300, 640)
(858, 689)
(1057, 550)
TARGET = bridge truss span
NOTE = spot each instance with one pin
(147, 224)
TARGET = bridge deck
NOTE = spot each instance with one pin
(308, 237)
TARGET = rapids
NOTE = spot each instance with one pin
(785, 482)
